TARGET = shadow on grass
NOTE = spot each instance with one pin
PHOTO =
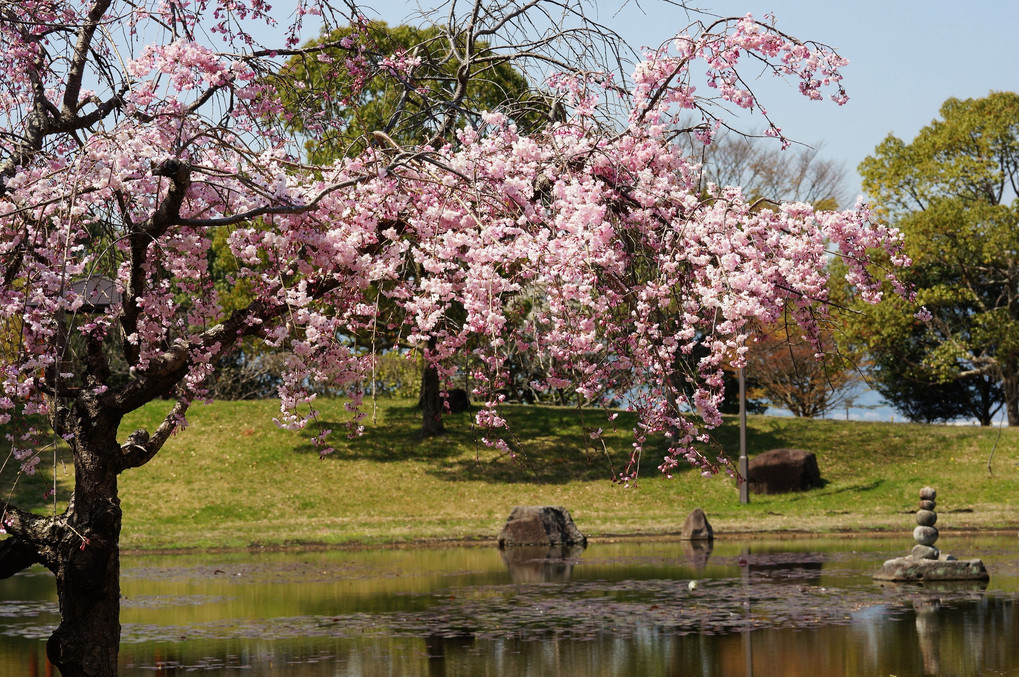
(546, 445)
(34, 492)
(397, 438)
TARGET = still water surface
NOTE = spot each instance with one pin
(762, 607)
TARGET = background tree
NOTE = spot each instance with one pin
(336, 110)
(789, 373)
(126, 168)
(953, 192)
(899, 347)
(765, 170)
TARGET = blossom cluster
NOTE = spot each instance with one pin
(595, 250)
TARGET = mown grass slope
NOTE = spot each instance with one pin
(234, 479)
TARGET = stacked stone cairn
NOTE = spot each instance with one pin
(926, 534)
(926, 563)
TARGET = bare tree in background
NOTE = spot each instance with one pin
(759, 165)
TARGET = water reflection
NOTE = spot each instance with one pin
(541, 563)
(615, 609)
(697, 553)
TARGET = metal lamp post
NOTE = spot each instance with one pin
(744, 464)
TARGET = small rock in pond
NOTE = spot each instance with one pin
(925, 562)
(697, 527)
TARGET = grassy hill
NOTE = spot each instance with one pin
(233, 479)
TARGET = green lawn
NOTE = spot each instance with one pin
(233, 479)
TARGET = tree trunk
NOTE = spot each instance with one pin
(87, 641)
(431, 403)
(430, 398)
(1010, 385)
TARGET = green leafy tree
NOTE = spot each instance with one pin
(899, 346)
(468, 81)
(954, 192)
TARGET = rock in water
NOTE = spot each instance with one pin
(926, 563)
(540, 525)
(696, 527)
(907, 569)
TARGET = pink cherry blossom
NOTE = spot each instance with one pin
(588, 242)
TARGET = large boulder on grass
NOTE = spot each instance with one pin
(783, 470)
(540, 525)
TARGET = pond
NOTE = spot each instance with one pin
(756, 607)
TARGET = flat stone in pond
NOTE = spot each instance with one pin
(907, 569)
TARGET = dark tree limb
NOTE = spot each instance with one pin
(16, 555)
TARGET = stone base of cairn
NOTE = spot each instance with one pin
(926, 563)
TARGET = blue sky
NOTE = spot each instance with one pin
(906, 58)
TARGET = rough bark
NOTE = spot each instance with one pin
(1011, 388)
(431, 403)
(87, 553)
(86, 642)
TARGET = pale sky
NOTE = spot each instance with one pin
(906, 58)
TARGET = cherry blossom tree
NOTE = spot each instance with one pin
(134, 130)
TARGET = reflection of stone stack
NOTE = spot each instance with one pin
(926, 534)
